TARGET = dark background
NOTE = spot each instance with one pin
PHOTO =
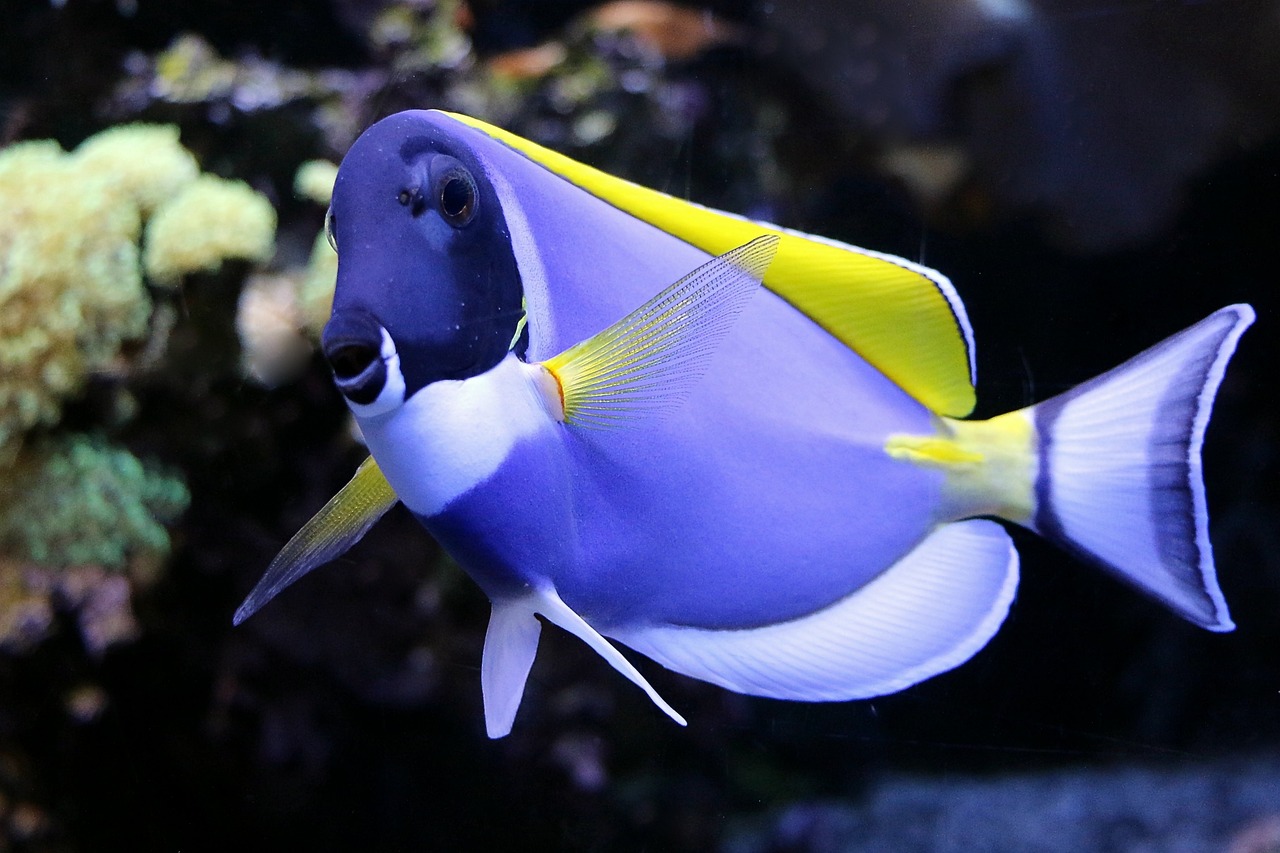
(1121, 180)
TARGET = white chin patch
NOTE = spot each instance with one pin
(392, 395)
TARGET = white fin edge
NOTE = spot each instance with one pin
(548, 603)
(648, 361)
(944, 285)
(510, 645)
(1121, 481)
(928, 613)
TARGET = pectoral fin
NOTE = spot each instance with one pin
(649, 360)
(336, 527)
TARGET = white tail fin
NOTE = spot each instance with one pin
(1120, 477)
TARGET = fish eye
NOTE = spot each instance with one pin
(456, 196)
(328, 229)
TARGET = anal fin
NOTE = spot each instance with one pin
(929, 612)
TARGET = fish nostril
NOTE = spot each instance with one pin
(348, 361)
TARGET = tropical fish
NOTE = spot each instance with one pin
(734, 448)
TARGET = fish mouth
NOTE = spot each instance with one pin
(358, 348)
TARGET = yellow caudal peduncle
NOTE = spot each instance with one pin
(990, 466)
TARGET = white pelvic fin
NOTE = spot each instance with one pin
(339, 524)
(1120, 474)
(929, 612)
(549, 604)
(510, 645)
(649, 360)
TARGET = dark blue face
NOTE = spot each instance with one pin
(424, 253)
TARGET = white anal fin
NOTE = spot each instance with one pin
(510, 645)
(929, 612)
(549, 604)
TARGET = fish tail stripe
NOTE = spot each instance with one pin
(1120, 480)
(902, 317)
(929, 612)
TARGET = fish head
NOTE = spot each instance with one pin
(428, 287)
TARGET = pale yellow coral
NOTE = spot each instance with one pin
(211, 220)
(70, 287)
(278, 313)
(143, 161)
(314, 180)
(316, 297)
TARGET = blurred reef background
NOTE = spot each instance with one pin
(1093, 176)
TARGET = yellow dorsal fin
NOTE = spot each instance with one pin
(901, 317)
(648, 361)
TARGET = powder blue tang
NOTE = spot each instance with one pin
(734, 448)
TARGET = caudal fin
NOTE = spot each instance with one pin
(1120, 475)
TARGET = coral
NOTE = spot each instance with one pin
(279, 315)
(71, 285)
(75, 513)
(26, 614)
(269, 322)
(144, 162)
(314, 180)
(210, 220)
(316, 296)
(101, 601)
(77, 500)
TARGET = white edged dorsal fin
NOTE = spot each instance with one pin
(338, 525)
(929, 612)
(549, 604)
(649, 360)
(510, 645)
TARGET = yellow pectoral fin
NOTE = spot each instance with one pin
(338, 525)
(901, 317)
(990, 466)
(648, 361)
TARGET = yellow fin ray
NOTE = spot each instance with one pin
(338, 525)
(903, 318)
(647, 361)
